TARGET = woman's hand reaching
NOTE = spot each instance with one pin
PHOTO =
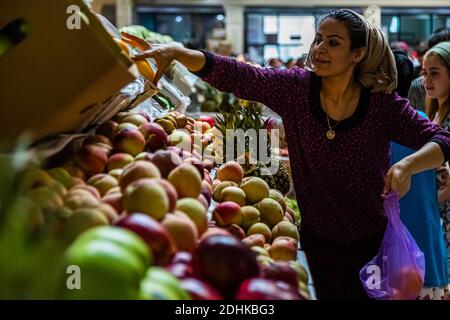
(163, 54)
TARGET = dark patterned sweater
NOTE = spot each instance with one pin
(337, 182)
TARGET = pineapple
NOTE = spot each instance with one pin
(280, 181)
(235, 116)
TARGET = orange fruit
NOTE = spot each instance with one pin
(123, 46)
(143, 66)
(145, 69)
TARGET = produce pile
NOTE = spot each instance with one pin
(143, 210)
(142, 215)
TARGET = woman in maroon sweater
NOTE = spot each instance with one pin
(339, 119)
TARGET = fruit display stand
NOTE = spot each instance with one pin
(133, 202)
(171, 221)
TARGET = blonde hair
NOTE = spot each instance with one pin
(432, 105)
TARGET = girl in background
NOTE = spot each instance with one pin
(436, 66)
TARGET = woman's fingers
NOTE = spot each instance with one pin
(160, 62)
(400, 182)
(135, 41)
(144, 55)
(387, 183)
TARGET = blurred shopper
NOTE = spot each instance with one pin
(436, 80)
(419, 211)
(405, 70)
(340, 116)
(416, 92)
(290, 63)
(400, 45)
(417, 58)
(275, 63)
(301, 62)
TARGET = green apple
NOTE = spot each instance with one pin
(154, 290)
(112, 261)
(164, 277)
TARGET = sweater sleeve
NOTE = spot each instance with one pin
(407, 127)
(266, 85)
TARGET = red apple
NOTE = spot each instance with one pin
(114, 200)
(265, 289)
(107, 129)
(208, 164)
(200, 290)
(227, 213)
(138, 170)
(212, 230)
(91, 159)
(225, 262)
(153, 233)
(118, 161)
(129, 141)
(155, 135)
(281, 271)
(166, 161)
(236, 231)
(208, 119)
(230, 171)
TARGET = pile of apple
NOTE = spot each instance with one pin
(258, 216)
(128, 166)
(132, 207)
(253, 212)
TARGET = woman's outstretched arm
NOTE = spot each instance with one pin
(265, 85)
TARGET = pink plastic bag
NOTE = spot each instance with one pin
(397, 271)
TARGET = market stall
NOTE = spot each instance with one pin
(137, 195)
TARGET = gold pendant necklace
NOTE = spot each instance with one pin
(331, 134)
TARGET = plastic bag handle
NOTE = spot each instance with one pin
(392, 208)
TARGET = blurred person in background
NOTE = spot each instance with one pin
(290, 63)
(405, 70)
(301, 61)
(416, 92)
(340, 115)
(436, 80)
(417, 58)
(275, 63)
(246, 59)
(400, 45)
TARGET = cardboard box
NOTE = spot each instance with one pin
(55, 80)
